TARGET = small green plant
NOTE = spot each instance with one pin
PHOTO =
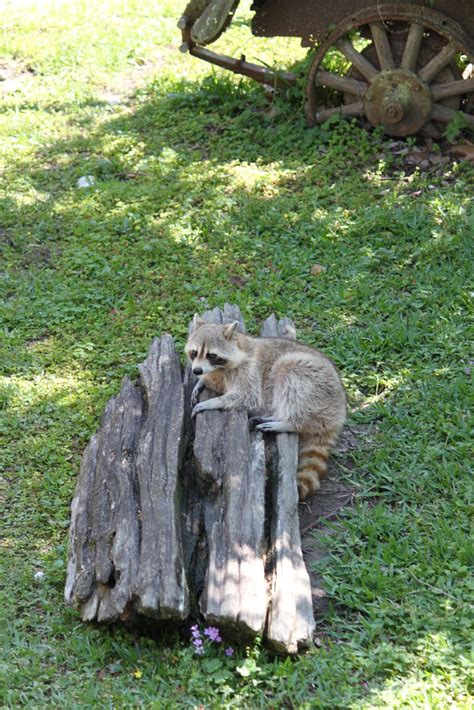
(209, 638)
(221, 665)
(215, 660)
(456, 127)
(249, 667)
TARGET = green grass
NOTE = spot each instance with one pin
(204, 194)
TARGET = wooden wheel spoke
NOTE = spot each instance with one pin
(340, 83)
(412, 47)
(439, 62)
(382, 45)
(362, 64)
(446, 114)
(355, 109)
(453, 88)
(403, 76)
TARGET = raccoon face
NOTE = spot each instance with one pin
(204, 362)
(211, 347)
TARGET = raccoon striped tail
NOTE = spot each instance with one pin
(312, 465)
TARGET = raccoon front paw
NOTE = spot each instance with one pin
(195, 393)
(201, 407)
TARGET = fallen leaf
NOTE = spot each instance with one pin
(463, 150)
(114, 668)
(415, 158)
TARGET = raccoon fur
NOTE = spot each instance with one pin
(285, 385)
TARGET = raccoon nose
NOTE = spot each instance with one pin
(197, 370)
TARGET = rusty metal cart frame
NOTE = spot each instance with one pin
(413, 74)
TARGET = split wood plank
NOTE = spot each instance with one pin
(230, 462)
(161, 586)
(104, 533)
(126, 552)
(290, 621)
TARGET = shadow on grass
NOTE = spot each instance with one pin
(246, 226)
(206, 194)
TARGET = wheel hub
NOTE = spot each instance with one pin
(399, 100)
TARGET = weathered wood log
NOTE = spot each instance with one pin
(125, 539)
(103, 552)
(161, 585)
(290, 614)
(230, 463)
(172, 518)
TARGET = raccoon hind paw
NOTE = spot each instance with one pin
(274, 426)
(255, 421)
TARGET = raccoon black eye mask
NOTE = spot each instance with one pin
(214, 359)
(286, 386)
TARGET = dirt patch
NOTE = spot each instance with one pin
(5, 239)
(120, 89)
(39, 339)
(40, 256)
(332, 499)
(432, 159)
(13, 74)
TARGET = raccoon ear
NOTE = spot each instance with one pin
(198, 321)
(229, 329)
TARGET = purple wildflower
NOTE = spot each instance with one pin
(196, 634)
(229, 652)
(213, 634)
(197, 640)
(198, 646)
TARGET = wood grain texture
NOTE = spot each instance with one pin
(230, 464)
(105, 526)
(125, 551)
(290, 620)
(161, 585)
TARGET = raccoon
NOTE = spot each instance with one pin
(285, 386)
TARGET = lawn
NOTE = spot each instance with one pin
(206, 192)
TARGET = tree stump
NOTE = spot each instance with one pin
(173, 518)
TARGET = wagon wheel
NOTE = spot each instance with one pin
(406, 78)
